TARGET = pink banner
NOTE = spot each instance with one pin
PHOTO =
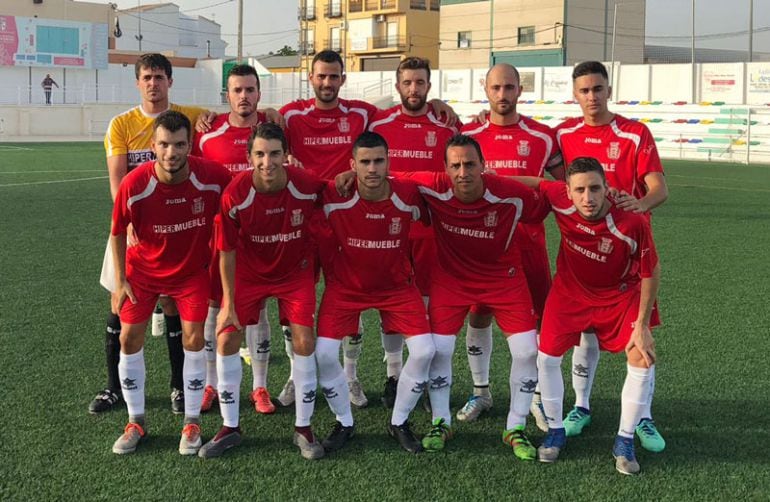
(9, 40)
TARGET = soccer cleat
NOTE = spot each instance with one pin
(649, 436)
(338, 437)
(260, 397)
(286, 397)
(553, 444)
(389, 392)
(311, 450)
(158, 322)
(177, 401)
(357, 396)
(576, 420)
(405, 437)
(538, 412)
(105, 400)
(225, 439)
(209, 397)
(475, 406)
(625, 457)
(522, 446)
(190, 442)
(439, 434)
(245, 355)
(127, 442)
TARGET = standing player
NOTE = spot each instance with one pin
(226, 143)
(372, 269)
(128, 144)
(416, 139)
(627, 151)
(607, 278)
(264, 252)
(513, 145)
(170, 203)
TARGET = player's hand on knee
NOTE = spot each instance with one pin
(122, 293)
(227, 317)
(204, 121)
(642, 340)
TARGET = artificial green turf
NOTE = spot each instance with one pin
(711, 401)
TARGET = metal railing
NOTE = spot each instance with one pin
(389, 42)
(334, 44)
(417, 4)
(334, 9)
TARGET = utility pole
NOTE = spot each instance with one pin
(751, 31)
(240, 30)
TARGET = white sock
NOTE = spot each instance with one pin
(258, 341)
(230, 373)
(132, 373)
(440, 374)
(636, 393)
(194, 375)
(305, 385)
(585, 359)
(647, 411)
(414, 377)
(478, 342)
(351, 351)
(289, 348)
(393, 345)
(551, 389)
(523, 377)
(332, 379)
(210, 336)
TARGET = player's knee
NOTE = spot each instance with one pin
(445, 346)
(479, 321)
(229, 343)
(302, 340)
(548, 362)
(193, 339)
(421, 349)
(588, 342)
(523, 346)
(635, 359)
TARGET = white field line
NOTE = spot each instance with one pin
(51, 182)
(55, 172)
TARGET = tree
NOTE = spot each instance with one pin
(286, 51)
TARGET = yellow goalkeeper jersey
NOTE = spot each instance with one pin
(130, 133)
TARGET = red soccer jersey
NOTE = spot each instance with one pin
(474, 240)
(225, 143)
(373, 237)
(602, 259)
(526, 148)
(172, 222)
(323, 139)
(414, 143)
(625, 148)
(269, 231)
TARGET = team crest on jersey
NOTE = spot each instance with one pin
(198, 206)
(343, 125)
(430, 139)
(395, 226)
(523, 148)
(613, 151)
(605, 245)
(297, 217)
(490, 220)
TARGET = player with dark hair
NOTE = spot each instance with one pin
(170, 203)
(627, 151)
(416, 139)
(607, 278)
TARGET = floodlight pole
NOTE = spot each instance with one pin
(751, 31)
(240, 30)
(614, 29)
(692, 56)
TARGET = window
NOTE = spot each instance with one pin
(527, 35)
(463, 39)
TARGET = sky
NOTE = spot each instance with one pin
(270, 24)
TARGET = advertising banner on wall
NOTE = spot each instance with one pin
(28, 41)
(722, 82)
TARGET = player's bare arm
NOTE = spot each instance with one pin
(641, 337)
(123, 289)
(117, 167)
(227, 316)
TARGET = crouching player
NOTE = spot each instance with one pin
(607, 279)
(171, 203)
(372, 269)
(264, 252)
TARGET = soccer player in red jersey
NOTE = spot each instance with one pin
(628, 154)
(373, 269)
(264, 247)
(513, 145)
(170, 203)
(225, 143)
(607, 278)
(416, 139)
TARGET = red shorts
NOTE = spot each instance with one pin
(450, 301)
(190, 296)
(323, 242)
(423, 252)
(295, 295)
(401, 310)
(215, 294)
(566, 316)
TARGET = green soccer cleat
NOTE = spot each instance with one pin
(649, 436)
(522, 447)
(439, 434)
(576, 420)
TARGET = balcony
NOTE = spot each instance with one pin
(356, 6)
(334, 44)
(307, 48)
(334, 9)
(417, 4)
(388, 4)
(372, 5)
(379, 44)
(307, 14)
